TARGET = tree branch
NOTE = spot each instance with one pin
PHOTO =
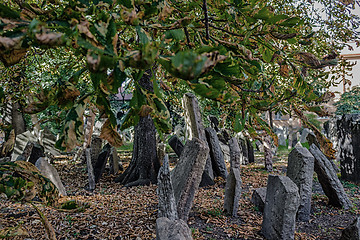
(224, 30)
(206, 19)
(187, 37)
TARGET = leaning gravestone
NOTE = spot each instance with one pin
(37, 152)
(186, 175)
(244, 149)
(328, 179)
(101, 162)
(176, 145)
(195, 128)
(258, 198)
(217, 156)
(167, 229)
(50, 172)
(352, 232)
(300, 170)
(282, 202)
(304, 133)
(48, 140)
(20, 143)
(114, 161)
(167, 203)
(233, 181)
(349, 147)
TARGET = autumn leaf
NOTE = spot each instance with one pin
(110, 134)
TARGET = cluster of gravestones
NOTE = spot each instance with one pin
(287, 199)
(200, 160)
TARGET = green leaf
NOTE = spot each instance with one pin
(205, 90)
(7, 12)
(119, 78)
(263, 14)
(176, 34)
(277, 18)
(267, 55)
(143, 38)
(239, 123)
(131, 118)
(290, 22)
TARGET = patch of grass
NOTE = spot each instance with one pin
(126, 147)
(215, 212)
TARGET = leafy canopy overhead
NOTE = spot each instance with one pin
(249, 55)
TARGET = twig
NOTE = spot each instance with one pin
(187, 37)
(224, 30)
(206, 20)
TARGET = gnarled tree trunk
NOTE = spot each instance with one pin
(144, 165)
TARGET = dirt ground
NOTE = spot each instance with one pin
(130, 213)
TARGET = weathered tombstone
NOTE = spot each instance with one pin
(328, 179)
(268, 155)
(50, 172)
(161, 152)
(304, 133)
(259, 146)
(300, 170)
(186, 175)
(226, 151)
(195, 128)
(250, 148)
(48, 141)
(214, 122)
(233, 181)
(331, 131)
(37, 152)
(167, 229)
(101, 162)
(114, 161)
(167, 203)
(281, 205)
(258, 198)
(216, 155)
(244, 149)
(90, 169)
(95, 145)
(20, 143)
(349, 147)
(27, 151)
(352, 232)
(176, 145)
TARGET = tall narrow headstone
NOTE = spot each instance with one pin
(50, 172)
(233, 181)
(328, 179)
(300, 170)
(216, 154)
(268, 155)
(90, 169)
(250, 151)
(281, 205)
(167, 204)
(101, 162)
(195, 128)
(352, 232)
(349, 151)
(186, 175)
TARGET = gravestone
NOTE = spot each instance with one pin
(176, 145)
(281, 133)
(96, 146)
(349, 147)
(27, 151)
(328, 179)
(233, 181)
(20, 143)
(304, 133)
(195, 128)
(101, 162)
(258, 198)
(250, 148)
(352, 232)
(37, 151)
(214, 122)
(186, 175)
(114, 161)
(268, 155)
(331, 131)
(91, 176)
(244, 150)
(300, 170)
(225, 150)
(167, 229)
(48, 141)
(161, 151)
(167, 204)
(216, 155)
(50, 172)
(281, 205)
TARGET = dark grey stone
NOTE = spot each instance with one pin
(258, 198)
(91, 176)
(250, 148)
(186, 175)
(176, 145)
(50, 172)
(352, 232)
(216, 155)
(349, 147)
(167, 203)
(233, 181)
(101, 162)
(300, 170)
(37, 151)
(167, 229)
(281, 205)
(328, 179)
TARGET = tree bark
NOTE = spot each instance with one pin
(144, 165)
(18, 120)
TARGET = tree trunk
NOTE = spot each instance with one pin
(18, 120)
(144, 165)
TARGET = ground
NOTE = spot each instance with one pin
(130, 213)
